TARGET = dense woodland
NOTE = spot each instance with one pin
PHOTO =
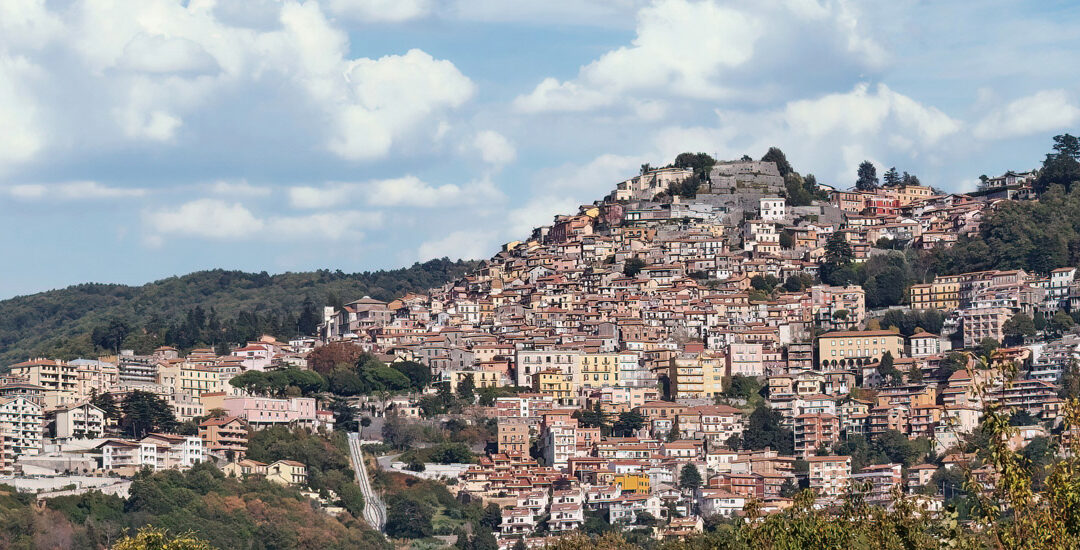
(203, 308)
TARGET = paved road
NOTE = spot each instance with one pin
(374, 509)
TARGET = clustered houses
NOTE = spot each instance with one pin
(640, 303)
(47, 414)
(646, 302)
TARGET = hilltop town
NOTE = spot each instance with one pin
(707, 336)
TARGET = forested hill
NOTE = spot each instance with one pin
(204, 308)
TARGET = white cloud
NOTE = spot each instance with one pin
(75, 190)
(162, 54)
(1040, 112)
(536, 212)
(552, 95)
(862, 112)
(466, 245)
(380, 10)
(330, 226)
(21, 136)
(310, 197)
(238, 188)
(407, 191)
(705, 50)
(594, 178)
(410, 191)
(494, 148)
(220, 220)
(390, 96)
(156, 66)
(205, 218)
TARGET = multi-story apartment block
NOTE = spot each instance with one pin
(695, 375)
(881, 479)
(815, 430)
(513, 437)
(554, 382)
(82, 421)
(529, 362)
(598, 370)
(745, 360)
(838, 307)
(59, 380)
(855, 348)
(981, 323)
(260, 412)
(829, 475)
(923, 344)
(225, 436)
(21, 424)
(559, 444)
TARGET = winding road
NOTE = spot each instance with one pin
(374, 509)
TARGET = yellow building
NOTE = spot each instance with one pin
(857, 348)
(555, 383)
(697, 375)
(633, 483)
(287, 472)
(481, 378)
(912, 193)
(196, 380)
(596, 370)
(942, 294)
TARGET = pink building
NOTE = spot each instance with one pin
(745, 359)
(261, 412)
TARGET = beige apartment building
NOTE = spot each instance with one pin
(697, 375)
(857, 348)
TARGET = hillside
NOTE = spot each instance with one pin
(59, 323)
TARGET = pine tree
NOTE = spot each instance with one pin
(868, 180)
(891, 178)
(689, 477)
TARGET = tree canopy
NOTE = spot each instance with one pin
(867, 177)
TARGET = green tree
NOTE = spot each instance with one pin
(592, 417)
(701, 163)
(915, 374)
(867, 180)
(466, 389)
(492, 516)
(891, 178)
(1061, 167)
(743, 387)
(776, 155)
(144, 412)
(1061, 323)
(689, 478)
(633, 266)
(1018, 328)
(951, 363)
(419, 375)
(408, 519)
(887, 369)
(909, 179)
(987, 347)
(764, 283)
(628, 424)
(764, 430)
(352, 498)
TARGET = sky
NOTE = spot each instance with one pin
(141, 139)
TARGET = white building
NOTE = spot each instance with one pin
(772, 208)
(81, 421)
(21, 423)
